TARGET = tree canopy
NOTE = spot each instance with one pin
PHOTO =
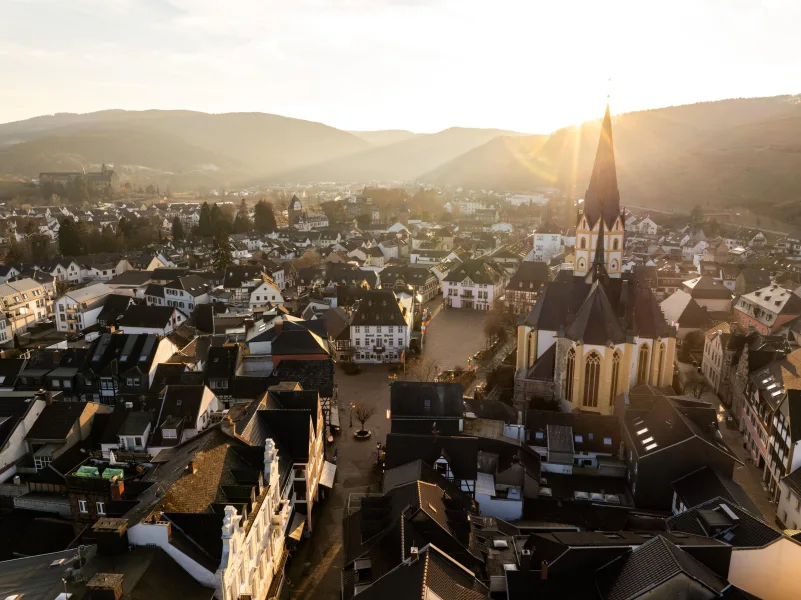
(264, 218)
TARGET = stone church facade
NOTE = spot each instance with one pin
(595, 332)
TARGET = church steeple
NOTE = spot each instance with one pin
(603, 197)
(598, 270)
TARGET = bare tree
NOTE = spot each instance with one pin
(696, 384)
(363, 414)
(423, 369)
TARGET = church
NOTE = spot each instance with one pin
(595, 332)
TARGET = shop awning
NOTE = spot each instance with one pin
(327, 476)
(296, 528)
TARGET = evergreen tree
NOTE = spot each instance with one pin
(204, 225)
(215, 217)
(177, 229)
(264, 217)
(242, 221)
(222, 254)
(15, 254)
(40, 247)
(69, 238)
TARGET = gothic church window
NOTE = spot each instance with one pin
(592, 379)
(660, 358)
(583, 243)
(571, 365)
(615, 244)
(615, 377)
(642, 365)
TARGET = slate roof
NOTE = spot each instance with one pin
(634, 307)
(311, 374)
(12, 410)
(56, 420)
(746, 531)
(672, 421)
(139, 315)
(378, 307)
(594, 429)
(707, 287)
(194, 284)
(479, 271)
(706, 484)
(793, 481)
(595, 321)
(135, 423)
(221, 362)
(529, 272)
(410, 275)
(426, 399)
(602, 198)
(646, 568)
(115, 306)
(460, 452)
(131, 277)
(182, 402)
(9, 370)
(435, 574)
(682, 308)
(290, 429)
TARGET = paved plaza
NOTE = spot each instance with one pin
(452, 336)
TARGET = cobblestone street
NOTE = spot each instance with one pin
(747, 475)
(315, 569)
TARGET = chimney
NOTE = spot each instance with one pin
(191, 467)
(117, 489)
(278, 326)
(227, 425)
(544, 570)
(105, 586)
(414, 554)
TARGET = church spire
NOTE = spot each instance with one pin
(598, 270)
(603, 197)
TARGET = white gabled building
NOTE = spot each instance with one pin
(24, 303)
(474, 284)
(266, 293)
(381, 327)
(78, 309)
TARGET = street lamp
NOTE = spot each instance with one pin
(351, 413)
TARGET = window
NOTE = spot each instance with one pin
(583, 243)
(615, 377)
(661, 359)
(571, 364)
(607, 441)
(400, 342)
(578, 439)
(539, 435)
(642, 365)
(101, 508)
(615, 244)
(82, 506)
(358, 329)
(592, 379)
(56, 383)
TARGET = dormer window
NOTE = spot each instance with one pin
(169, 434)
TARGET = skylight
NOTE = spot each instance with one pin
(648, 440)
(642, 431)
(650, 447)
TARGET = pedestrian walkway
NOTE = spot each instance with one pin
(746, 475)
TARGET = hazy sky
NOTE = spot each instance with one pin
(424, 65)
